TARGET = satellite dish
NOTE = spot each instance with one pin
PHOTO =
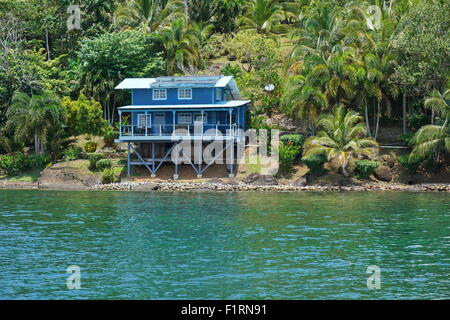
(269, 88)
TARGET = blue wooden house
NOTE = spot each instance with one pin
(167, 110)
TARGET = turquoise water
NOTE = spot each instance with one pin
(224, 245)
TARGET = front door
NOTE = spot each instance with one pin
(160, 124)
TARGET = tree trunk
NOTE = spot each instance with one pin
(404, 113)
(388, 108)
(378, 120)
(367, 120)
(433, 115)
(344, 170)
(36, 144)
(47, 43)
(42, 146)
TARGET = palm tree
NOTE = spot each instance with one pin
(382, 68)
(263, 16)
(181, 46)
(319, 33)
(433, 140)
(303, 100)
(343, 137)
(35, 116)
(438, 103)
(149, 15)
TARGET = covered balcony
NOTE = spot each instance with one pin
(181, 124)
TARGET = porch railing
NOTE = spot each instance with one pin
(179, 130)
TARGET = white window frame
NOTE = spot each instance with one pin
(218, 94)
(147, 120)
(187, 115)
(205, 117)
(182, 94)
(158, 96)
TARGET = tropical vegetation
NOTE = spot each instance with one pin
(344, 72)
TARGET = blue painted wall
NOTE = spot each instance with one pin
(143, 97)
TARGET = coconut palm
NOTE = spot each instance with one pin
(319, 34)
(149, 15)
(375, 83)
(302, 100)
(433, 140)
(438, 102)
(33, 117)
(263, 16)
(342, 138)
(181, 46)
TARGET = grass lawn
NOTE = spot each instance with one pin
(29, 176)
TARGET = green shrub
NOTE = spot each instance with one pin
(17, 163)
(315, 163)
(103, 164)
(13, 164)
(417, 120)
(109, 135)
(406, 138)
(90, 146)
(410, 166)
(288, 154)
(293, 139)
(364, 168)
(73, 153)
(93, 159)
(109, 176)
(38, 161)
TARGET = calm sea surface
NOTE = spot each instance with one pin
(224, 245)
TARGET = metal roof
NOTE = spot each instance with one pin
(228, 104)
(182, 81)
(136, 83)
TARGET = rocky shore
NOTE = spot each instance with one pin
(223, 187)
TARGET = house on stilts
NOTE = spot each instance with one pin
(166, 112)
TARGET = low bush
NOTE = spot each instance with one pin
(17, 163)
(315, 163)
(365, 168)
(103, 164)
(292, 139)
(73, 153)
(417, 120)
(109, 176)
(109, 135)
(288, 154)
(410, 166)
(90, 147)
(93, 159)
(406, 138)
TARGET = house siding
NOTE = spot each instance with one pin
(143, 97)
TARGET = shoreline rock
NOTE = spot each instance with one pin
(239, 187)
(217, 186)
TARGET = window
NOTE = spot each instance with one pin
(160, 119)
(141, 123)
(218, 94)
(198, 118)
(184, 94)
(159, 94)
(184, 118)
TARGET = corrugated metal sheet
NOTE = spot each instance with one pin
(136, 83)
